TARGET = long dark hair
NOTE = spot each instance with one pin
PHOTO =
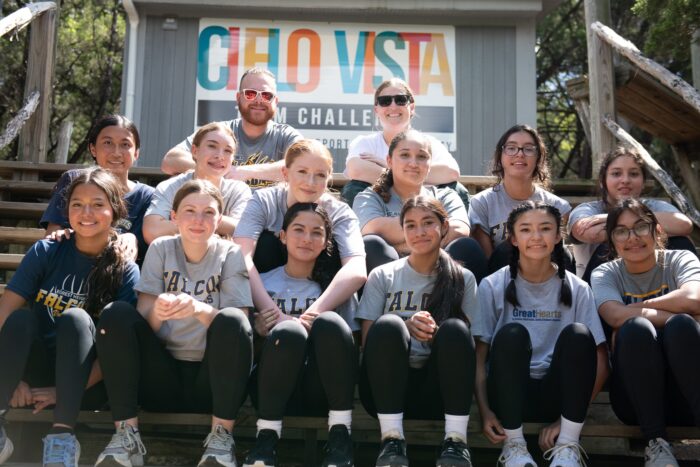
(445, 300)
(557, 255)
(541, 173)
(105, 278)
(643, 212)
(609, 158)
(327, 264)
(386, 180)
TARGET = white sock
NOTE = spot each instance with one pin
(515, 435)
(270, 425)
(340, 417)
(570, 431)
(456, 426)
(391, 423)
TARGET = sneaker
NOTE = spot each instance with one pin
(659, 454)
(454, 453)
(264, 453)
(6, 446)
(392, 453)
(124, 450)
(61, 450)
(338, 450)
(566, 455)
(515, 454)
(220, 449)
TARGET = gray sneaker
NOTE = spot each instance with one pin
(61, 450)
(219, 449)
(659, 454)
(124, 450)
(6, 446)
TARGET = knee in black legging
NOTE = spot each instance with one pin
(454, 332)
(680, 330)
(116, 319)
(578, 339)
(329, 326)
(512, 339)
(388, 331)
(288, 336)
(378, 251)
(73, 323)
(22, 325)
(636, 333)
(231, 324)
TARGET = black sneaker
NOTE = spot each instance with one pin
(338, 450)
(264, 453)
(454, 453)
(392, 453)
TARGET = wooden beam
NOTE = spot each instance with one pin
(34, 137)
(19, 19)
(664, 179)
(63, 146)
(20, 235)
(632, 53)
(10, 260)
(601, 81)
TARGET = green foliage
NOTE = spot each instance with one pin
(87, 79)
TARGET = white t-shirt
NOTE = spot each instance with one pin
(375, 145)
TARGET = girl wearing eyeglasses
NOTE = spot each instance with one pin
(522, 173)
(395, 107)
(378, 208)
(622, 175)
(650, 298)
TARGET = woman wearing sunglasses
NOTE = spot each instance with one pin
(395, 107)
(650, 299)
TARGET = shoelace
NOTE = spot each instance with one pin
(58, 450)
(127, 439)
(393, 446)
(569, 451)
(513, 450)
(456, 448)
(218, 439)
(658, 447)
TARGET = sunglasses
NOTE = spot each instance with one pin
(400, 100)
(252, 94)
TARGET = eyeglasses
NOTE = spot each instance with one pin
(400, 100)
(622, 234)
(252, 94)
(511, 150)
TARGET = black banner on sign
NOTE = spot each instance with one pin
(431, 119)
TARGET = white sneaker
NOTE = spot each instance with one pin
(566, 455)
(515, 454)
(124, 450)
(659, 454)
(220, 449)
(61, 450)
(6, 446)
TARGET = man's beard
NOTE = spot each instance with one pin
(247, 115)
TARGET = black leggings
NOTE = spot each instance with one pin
(445, 384)
(27, 357)
(600, 255)
(656, 374)
(500, 257)
(138, 369)
(565, 390)
(464, 250)
(306, 375)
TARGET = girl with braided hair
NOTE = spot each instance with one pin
(543, 342)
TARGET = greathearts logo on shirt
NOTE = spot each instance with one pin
(629, 298)
(176, 282)
(71, 294)
(536, 315)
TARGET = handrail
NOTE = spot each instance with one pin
(21, 18)
(15, 125)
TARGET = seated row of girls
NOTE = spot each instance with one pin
(649, 298)
(621, 176)
(378, 207)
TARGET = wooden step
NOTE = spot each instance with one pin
(10, 260)
(20, 235)
(22, 210)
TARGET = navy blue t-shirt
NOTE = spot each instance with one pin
(137, 201)
(53, 277)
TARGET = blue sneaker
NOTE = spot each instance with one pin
(61, 450)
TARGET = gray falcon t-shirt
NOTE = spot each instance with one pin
(612, 282)
(489, 209)
(236, 195)
(584, 251)
(369, 205)
(540, 311)
(267, 207)
(220, 279)
(293, 295)
(397, 288)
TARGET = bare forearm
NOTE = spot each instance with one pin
(155, 226)
(484, 240)
(457, 230)
(678, 301)
(95, 374)
(602, 369)
(480, 391)
(674, 223)
(364, 170)
(388, 228)
(271, 171)
(441, 173)
(227, 226)
(177, 161)
(346, 282)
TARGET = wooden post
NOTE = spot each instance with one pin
(64, 141)
(695, 57)
(601, 81)
(34, 138)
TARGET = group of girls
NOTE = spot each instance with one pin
(278, 305)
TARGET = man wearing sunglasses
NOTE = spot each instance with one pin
(260, 142)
